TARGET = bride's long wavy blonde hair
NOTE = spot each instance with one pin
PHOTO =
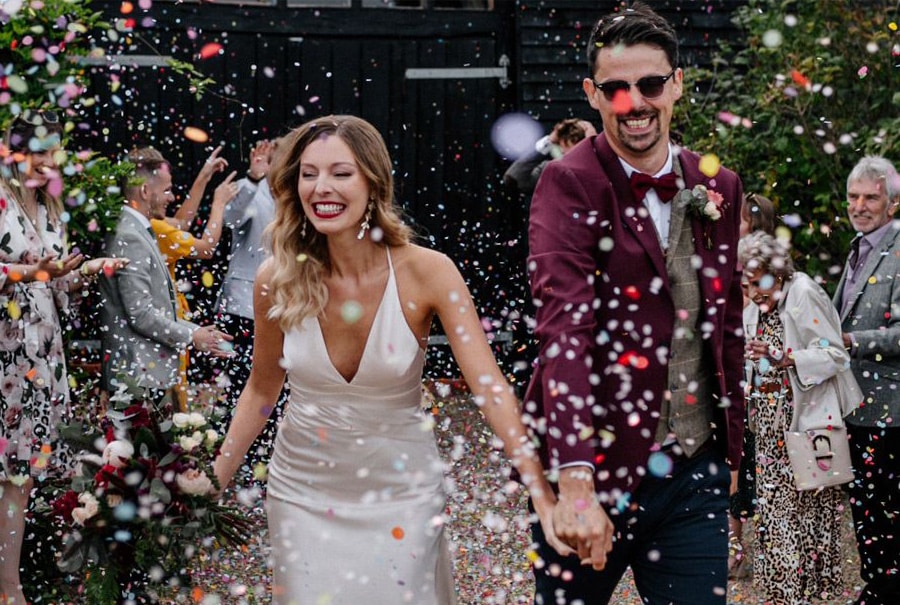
(300, 255)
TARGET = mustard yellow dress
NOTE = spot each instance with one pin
(175, 245)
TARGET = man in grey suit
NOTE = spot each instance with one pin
(141, 334)
(868, 298)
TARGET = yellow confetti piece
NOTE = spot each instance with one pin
(12, 308)
(892, 26)
(207, 279)
(709, 165)
(260, 472)
(873, 280)
(197, 135)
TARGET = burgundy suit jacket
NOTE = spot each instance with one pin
(605, 316)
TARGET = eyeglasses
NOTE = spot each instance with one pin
(650, 87)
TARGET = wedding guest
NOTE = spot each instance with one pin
(757, 214)
(868, 297)
(176, 242)
(173, 233)
(344, 308)
(523, 174)
(37, 272)
(637, 390)
(142, 334)
(794, 342)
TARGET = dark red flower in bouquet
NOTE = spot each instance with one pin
(64, 505)
(138, 416)
(106, 474)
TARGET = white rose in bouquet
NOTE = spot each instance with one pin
(90, 508)
(194, 482)
(180, 419)
(189, 442)
(196, 419)
(117, 453)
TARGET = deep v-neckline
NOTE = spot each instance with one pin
(365, 351)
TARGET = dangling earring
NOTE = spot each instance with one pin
(303, 224)
(365, 224)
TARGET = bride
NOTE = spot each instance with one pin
(343, 308)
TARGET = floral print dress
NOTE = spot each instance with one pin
(799, 531)
(34, 390)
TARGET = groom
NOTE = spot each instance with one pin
(637, 393)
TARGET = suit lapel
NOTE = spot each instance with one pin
(866, 273)
(690, 173)
(634, 214)
(136, 226)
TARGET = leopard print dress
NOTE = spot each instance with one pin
(799, 556)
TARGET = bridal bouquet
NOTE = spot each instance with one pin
(144, 500)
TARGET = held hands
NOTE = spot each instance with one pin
(210, 340)
(544, 504)
(580, 521)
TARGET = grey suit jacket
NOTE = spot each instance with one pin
(873, 317)
(247, 215)
(141, 335)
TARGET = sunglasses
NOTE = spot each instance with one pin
(650, 87)
(38, 117)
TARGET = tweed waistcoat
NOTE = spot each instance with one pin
(688, 412)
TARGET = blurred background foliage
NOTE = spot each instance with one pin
(41, 44)
(813, 86)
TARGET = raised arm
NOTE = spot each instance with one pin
(186, 213)
(205, 245)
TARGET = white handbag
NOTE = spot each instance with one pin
(819, 457)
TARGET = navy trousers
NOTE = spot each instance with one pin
(875, 502)
(674, 537)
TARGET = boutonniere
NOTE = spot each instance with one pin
(706, 205)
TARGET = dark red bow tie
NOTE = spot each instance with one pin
(665, 186)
